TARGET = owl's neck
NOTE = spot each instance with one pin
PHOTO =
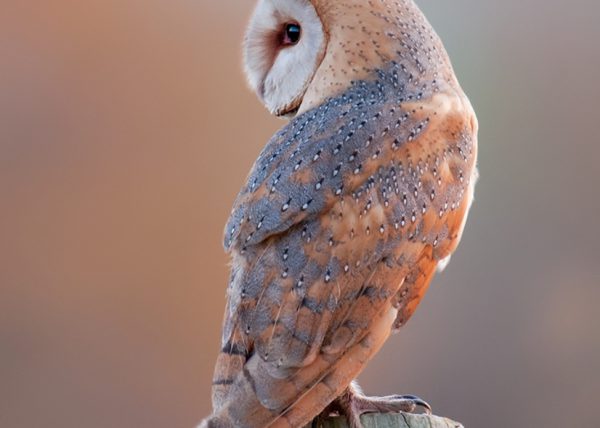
(367, 36)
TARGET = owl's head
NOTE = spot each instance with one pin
(297, 53)
(284, 44)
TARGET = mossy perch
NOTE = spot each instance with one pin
(396, 420)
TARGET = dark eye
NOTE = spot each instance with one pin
(291, 34)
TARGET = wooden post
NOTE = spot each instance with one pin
(395, 420)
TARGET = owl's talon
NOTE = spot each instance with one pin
(391, 404)
(354, 404)
(417, 402)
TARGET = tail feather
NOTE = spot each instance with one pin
(322, 381)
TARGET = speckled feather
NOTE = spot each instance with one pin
(335, 237)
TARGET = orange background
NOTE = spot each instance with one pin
(126, 131)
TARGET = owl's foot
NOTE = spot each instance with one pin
(353, 404)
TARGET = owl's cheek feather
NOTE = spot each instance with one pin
(279, 62)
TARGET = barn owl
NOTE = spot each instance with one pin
(347, 213)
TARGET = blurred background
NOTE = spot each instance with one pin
(126, 130)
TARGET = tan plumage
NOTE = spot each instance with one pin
(349, 209)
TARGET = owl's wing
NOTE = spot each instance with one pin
(347, 205)
(297, 176)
